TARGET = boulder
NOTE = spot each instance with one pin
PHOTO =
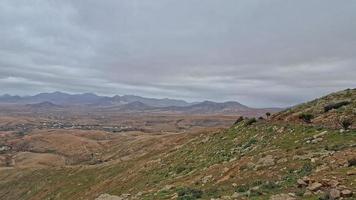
(206, 179)
(346, 193)
(301, 183)
(314, 186)
(281, 197)
(334, 194)
(266, 161)
(109, 197)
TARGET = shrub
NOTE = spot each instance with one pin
(306, 169)
(345, 123)
(180, 169)
(251, 121)
(261, 118)
(335, 105)
(270, 186)
(352, 162)
(240, 119)
(268, 114)
(306, 117)
(189, 193)
(242, 188)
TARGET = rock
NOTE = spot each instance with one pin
(236, 195)
(266, 161)
(307, 193)
(281, 197)
(346, 193)
(109, 197)
(168, 187)
(314, 186)
(351, 162)
(352, 172)
(333, 183)
(206, 179)
(226, 169)
(316, 140)
(255, 189)
(282, 160)
(226, 197)
(320, 134)
(306, 179)
(301, 183)
(234, 185)
(334, 194)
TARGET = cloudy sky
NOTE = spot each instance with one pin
(258, 52)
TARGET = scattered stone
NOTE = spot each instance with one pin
(314, 186)
(316, 140)
(346, 193)
(333, 183)
(282, 160)
(350, 173)
(301, 183)
(206, 179)
(109, 197)
(282, 197)
(236, 195)
(351, 162)
(334, 194)
(168, 187)
(226, 169)
(320, 134)
(205, 140)
(255, 189)
(307, 193)
(266, 161)
(306, 179)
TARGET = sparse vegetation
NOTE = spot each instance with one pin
(251, 121)
(240, 119)
(268, 114)
(187, 193)
(345, 123)
(256, 161)
(335, 105)
(306, 117)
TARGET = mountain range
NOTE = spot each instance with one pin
(132, 103)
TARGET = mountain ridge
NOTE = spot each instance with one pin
(133, 103)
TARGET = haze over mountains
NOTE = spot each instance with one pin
(130, 103)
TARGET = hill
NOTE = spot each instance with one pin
(281, 158)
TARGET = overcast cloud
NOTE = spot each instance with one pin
(258, 52)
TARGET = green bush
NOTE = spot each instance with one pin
(335, 105)
(268, 114)
(180, 169)
(187, 193)
(306, 117)
(240, 119)
(345, 123)
(242, 188)
(306, 169)
(251, 121)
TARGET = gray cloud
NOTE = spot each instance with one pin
(261, 53)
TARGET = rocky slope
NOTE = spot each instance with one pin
(289, 156)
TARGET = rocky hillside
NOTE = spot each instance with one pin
(330, 111)
(288, 157)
